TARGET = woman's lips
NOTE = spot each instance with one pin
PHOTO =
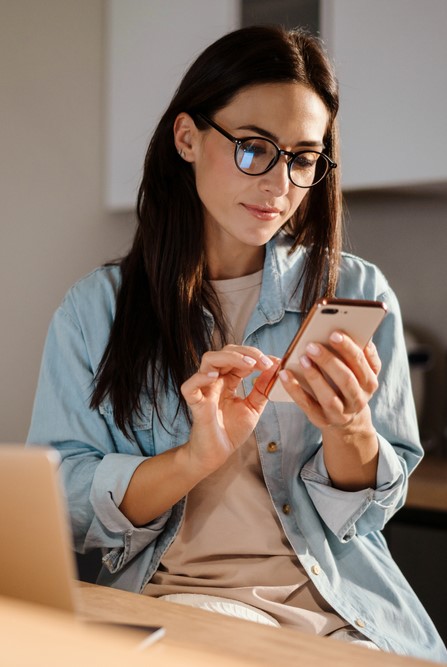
(262, 212)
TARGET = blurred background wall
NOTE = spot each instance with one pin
(55, 225)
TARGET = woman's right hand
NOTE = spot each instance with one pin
(222, 420)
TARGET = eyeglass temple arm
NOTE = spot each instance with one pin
(218, 128)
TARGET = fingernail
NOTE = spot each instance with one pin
(336, 337)
(283, 375)
(265, 361)
(213, 374)
(305, 361)
(249, 360)
(313, 349)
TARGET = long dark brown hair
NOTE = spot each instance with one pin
(160, 329)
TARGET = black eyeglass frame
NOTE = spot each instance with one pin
(279, 151)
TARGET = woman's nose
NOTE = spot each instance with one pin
(277, 179)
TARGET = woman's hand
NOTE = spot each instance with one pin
(222, 420)
(343, 378)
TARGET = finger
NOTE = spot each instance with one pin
(192, 389)
(232, 359)
(308, 404)
(332, 383)
(348, 357)
(372, 357)
(257, 397)
(360, 360)
(332, 415)
(246, 349)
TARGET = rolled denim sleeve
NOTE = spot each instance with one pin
(107, 492)
(96, 464)
(347, 513)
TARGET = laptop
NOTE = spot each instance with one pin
(37, 562)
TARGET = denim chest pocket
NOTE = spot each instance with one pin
(141, 426)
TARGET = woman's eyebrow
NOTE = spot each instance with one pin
(273, 137)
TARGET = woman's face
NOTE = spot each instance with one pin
(243, 212)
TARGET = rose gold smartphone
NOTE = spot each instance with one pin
(359, 319)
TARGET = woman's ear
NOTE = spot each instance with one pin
(185, 135)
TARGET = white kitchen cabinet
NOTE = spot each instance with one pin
(391, 61)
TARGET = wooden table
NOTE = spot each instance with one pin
(32, 635)
(213, 639)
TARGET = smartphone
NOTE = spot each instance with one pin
(359, 319)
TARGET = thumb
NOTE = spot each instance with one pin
(257, 397)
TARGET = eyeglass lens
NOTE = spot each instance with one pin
(256, 156)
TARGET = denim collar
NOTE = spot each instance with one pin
(279, 293)
(282, 271)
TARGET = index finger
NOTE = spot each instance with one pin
(235, 358)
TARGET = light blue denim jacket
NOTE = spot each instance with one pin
(337, 531)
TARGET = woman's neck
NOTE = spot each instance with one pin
(224, 265)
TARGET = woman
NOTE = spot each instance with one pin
(194, 485)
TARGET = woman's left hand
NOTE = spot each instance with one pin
(342, 378)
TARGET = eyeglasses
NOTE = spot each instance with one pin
(255, 156)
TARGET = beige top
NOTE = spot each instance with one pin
(231, 543)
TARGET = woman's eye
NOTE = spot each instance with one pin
(255, 148)
(305, 161)
(254, 155)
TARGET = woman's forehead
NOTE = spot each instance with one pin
(279, 108)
